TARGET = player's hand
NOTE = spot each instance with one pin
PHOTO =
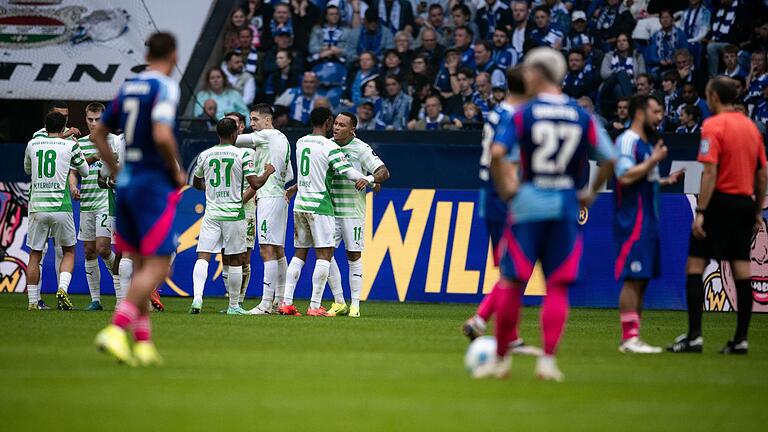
(675, 177)
(269, 169)
(587, 197)
(361, 184)
(180, 178)
(74, 192)
(759, 222)
(659, 151)
(72, 131)
(697, 229)
(376, 188)
(290, 192)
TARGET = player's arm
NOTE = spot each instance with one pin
(256, 182)
(504, 173)
(251, 141)
(248, 194)
(99, 139)
(27, 161)
(602, 150)
(627, 172)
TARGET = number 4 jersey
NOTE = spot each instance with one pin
(48, 161)
(551, 138)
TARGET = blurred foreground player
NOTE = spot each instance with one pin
(548, 139)
(147, 193)
(733, 155)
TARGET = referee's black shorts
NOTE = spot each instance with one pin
(728, 221)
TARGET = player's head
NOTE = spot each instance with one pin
(546, 68)
(226, 129)
(344, 126)
(55, 122)
(60, 107)
(516, 81)
(93, 113)
(646, 112)
(239, 120)
(261, 117)
(321, 119)
(721, 92)
(161, 48)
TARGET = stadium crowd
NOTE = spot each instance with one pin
(439, 64)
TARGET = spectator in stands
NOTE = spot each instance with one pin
(301, 100)
(545, 34)
(610, 21)
(365, 119)
(484, 63)
(403, 43)
(392, 65)
(436, 23)
(690, 96)
(695, 23)
(664, 43)
(671, 100)
(282, 41)
(759, 40)
(433, 118)
(304, 16)
(504, 54)
(485, 88)
(208, 117)
(374, 37)
(644, 84)
(731, 61)
(463, 37)
(690, 119)
(578, 32)
(217, 87)
(421, 89)
(446, 81)
(259, 13)
(281, 23)
(283, 78)
(561, 16)
(760, 114)
(247, 50)
(471, 118)
(368, 68)
(396, 15)
(586, 103)
(730, 26)
(331, 41)
(499, 94)
(430, 47)
(621, 120)
(465, 78)
(395, 106)
(420, 67)
(520, 38)
(235, 23)
(283, 119)
(581, 79)
(688, 72)
(741, 87)
(352, 11)
(372, 92)
(462, 17)
(239, 79)
(492, 15)
(619, 70)
(757, 80)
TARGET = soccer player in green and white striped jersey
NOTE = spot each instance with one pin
(97, 214)
(48, 160)
(318, 158)
(222, 171)
(349, 210)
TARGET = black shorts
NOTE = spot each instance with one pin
(729, 222)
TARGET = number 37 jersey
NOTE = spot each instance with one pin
(551, 138)
(224, 168)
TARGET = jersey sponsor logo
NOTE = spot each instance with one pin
(704, 149)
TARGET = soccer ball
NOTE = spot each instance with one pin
(480, 351)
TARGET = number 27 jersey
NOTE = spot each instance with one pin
(551, 138)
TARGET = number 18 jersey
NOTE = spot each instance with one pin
(48, 161)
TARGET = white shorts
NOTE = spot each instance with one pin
(351, 231)
(96, 224)
(215, 235)
(58, 225)
(250, 232)
(313, 230)
(272, 220)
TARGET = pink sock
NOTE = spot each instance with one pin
(508, 299)
(630, 325)
(142, 330)
(554, 313)
(487, 306)
(125, 314)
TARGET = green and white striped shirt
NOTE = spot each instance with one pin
(348, 202)
(224, 168)
(92, 197)
(317, 158)
(48, 161)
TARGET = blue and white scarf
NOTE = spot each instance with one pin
(331, 35)
(626, 64)
(393, 20)
(607, 17)
(288, 26)
(301, 107)
(691, 20)
(724, 19)
(666, 43)
(434, 125)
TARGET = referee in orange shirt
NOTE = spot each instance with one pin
(733, 155)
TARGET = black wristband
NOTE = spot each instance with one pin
(700, 210)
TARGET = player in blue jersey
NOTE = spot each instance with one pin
(146, 194)
(546, 143)
(636, 218)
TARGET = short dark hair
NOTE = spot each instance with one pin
(731, 49)
(487, 45)
(645, 75)
(239, 116)
(289, 53)
(623, 99)
(465, 28)
(226, 127)
(724, 89)
(60, 104)
(639, 103)
(160, 45)
(435, 6)
(352, 118)
(55, 122)
(469, 73)
(578, 51)
(693, 111)
(671, 75)
(515, 81)
(319, 116)
(262, 108)
(95, 107)
(666, 10)
(228, 56)
(463, 8)
(542, 8)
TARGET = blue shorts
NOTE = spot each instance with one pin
(638, 256)
(495, 231)
(145, 211)
(557, 244)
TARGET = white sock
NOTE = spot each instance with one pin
(319, 278)
(246, 281)
(356, 281)
(291, 279)
(199, 275)
(33, 293)
(64, 279)
(234, 282)
(110, 261)
(282, 269)
(334, 281)
(270, 283)
(126, 273)
(93, 277)
(116, 286)
(59, 256)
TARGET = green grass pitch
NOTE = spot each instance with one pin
(399, 367)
